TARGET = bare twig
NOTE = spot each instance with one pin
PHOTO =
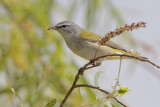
(118, 74)
(81, 70)
(117, 82)
(102, 90)
(129, 56)
(97, 51)
(91, 86)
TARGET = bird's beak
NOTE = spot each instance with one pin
(52, 28)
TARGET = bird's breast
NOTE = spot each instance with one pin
(86, 49)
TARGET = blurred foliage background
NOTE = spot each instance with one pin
(32, 59)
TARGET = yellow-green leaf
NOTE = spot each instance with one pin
(51, 103)
(122, 91)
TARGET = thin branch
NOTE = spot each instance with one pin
(97, 88)
(129, 56)
(92, 62)
(80, 72)
(117, 82)
(91, 86)
(118, 74)
(97, 51)
(93, 65)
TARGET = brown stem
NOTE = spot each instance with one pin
(86, 66)
(72, 87)
(129, 56)
(91, 86)
(80, 72)
(97, 88)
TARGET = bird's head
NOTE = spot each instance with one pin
(67, 28)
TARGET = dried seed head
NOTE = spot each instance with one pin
(120, 30)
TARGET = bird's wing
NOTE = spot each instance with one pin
(115, 46)
(89, 36)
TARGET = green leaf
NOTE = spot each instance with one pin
(122, 91)
(79, 92)
(96, 77)
(105, 105)
(114, 103)
(51, 103)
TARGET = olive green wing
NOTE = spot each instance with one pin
(115, 46)
(89, 36)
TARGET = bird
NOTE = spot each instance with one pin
(85, 43)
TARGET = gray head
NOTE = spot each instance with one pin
(67, 29)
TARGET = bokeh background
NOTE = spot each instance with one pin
(40, 67)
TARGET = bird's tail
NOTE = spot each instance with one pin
(136, 54)
(131, 55)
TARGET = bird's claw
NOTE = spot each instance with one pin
(92, 61)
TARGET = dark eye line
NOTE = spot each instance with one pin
(63, 26)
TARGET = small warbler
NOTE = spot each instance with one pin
(85, 43)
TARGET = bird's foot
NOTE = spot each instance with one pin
(92, 61)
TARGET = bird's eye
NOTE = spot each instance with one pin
(64, 26)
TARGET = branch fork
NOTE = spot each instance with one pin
(92, 63)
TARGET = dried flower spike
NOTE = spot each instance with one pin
(120, 30)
